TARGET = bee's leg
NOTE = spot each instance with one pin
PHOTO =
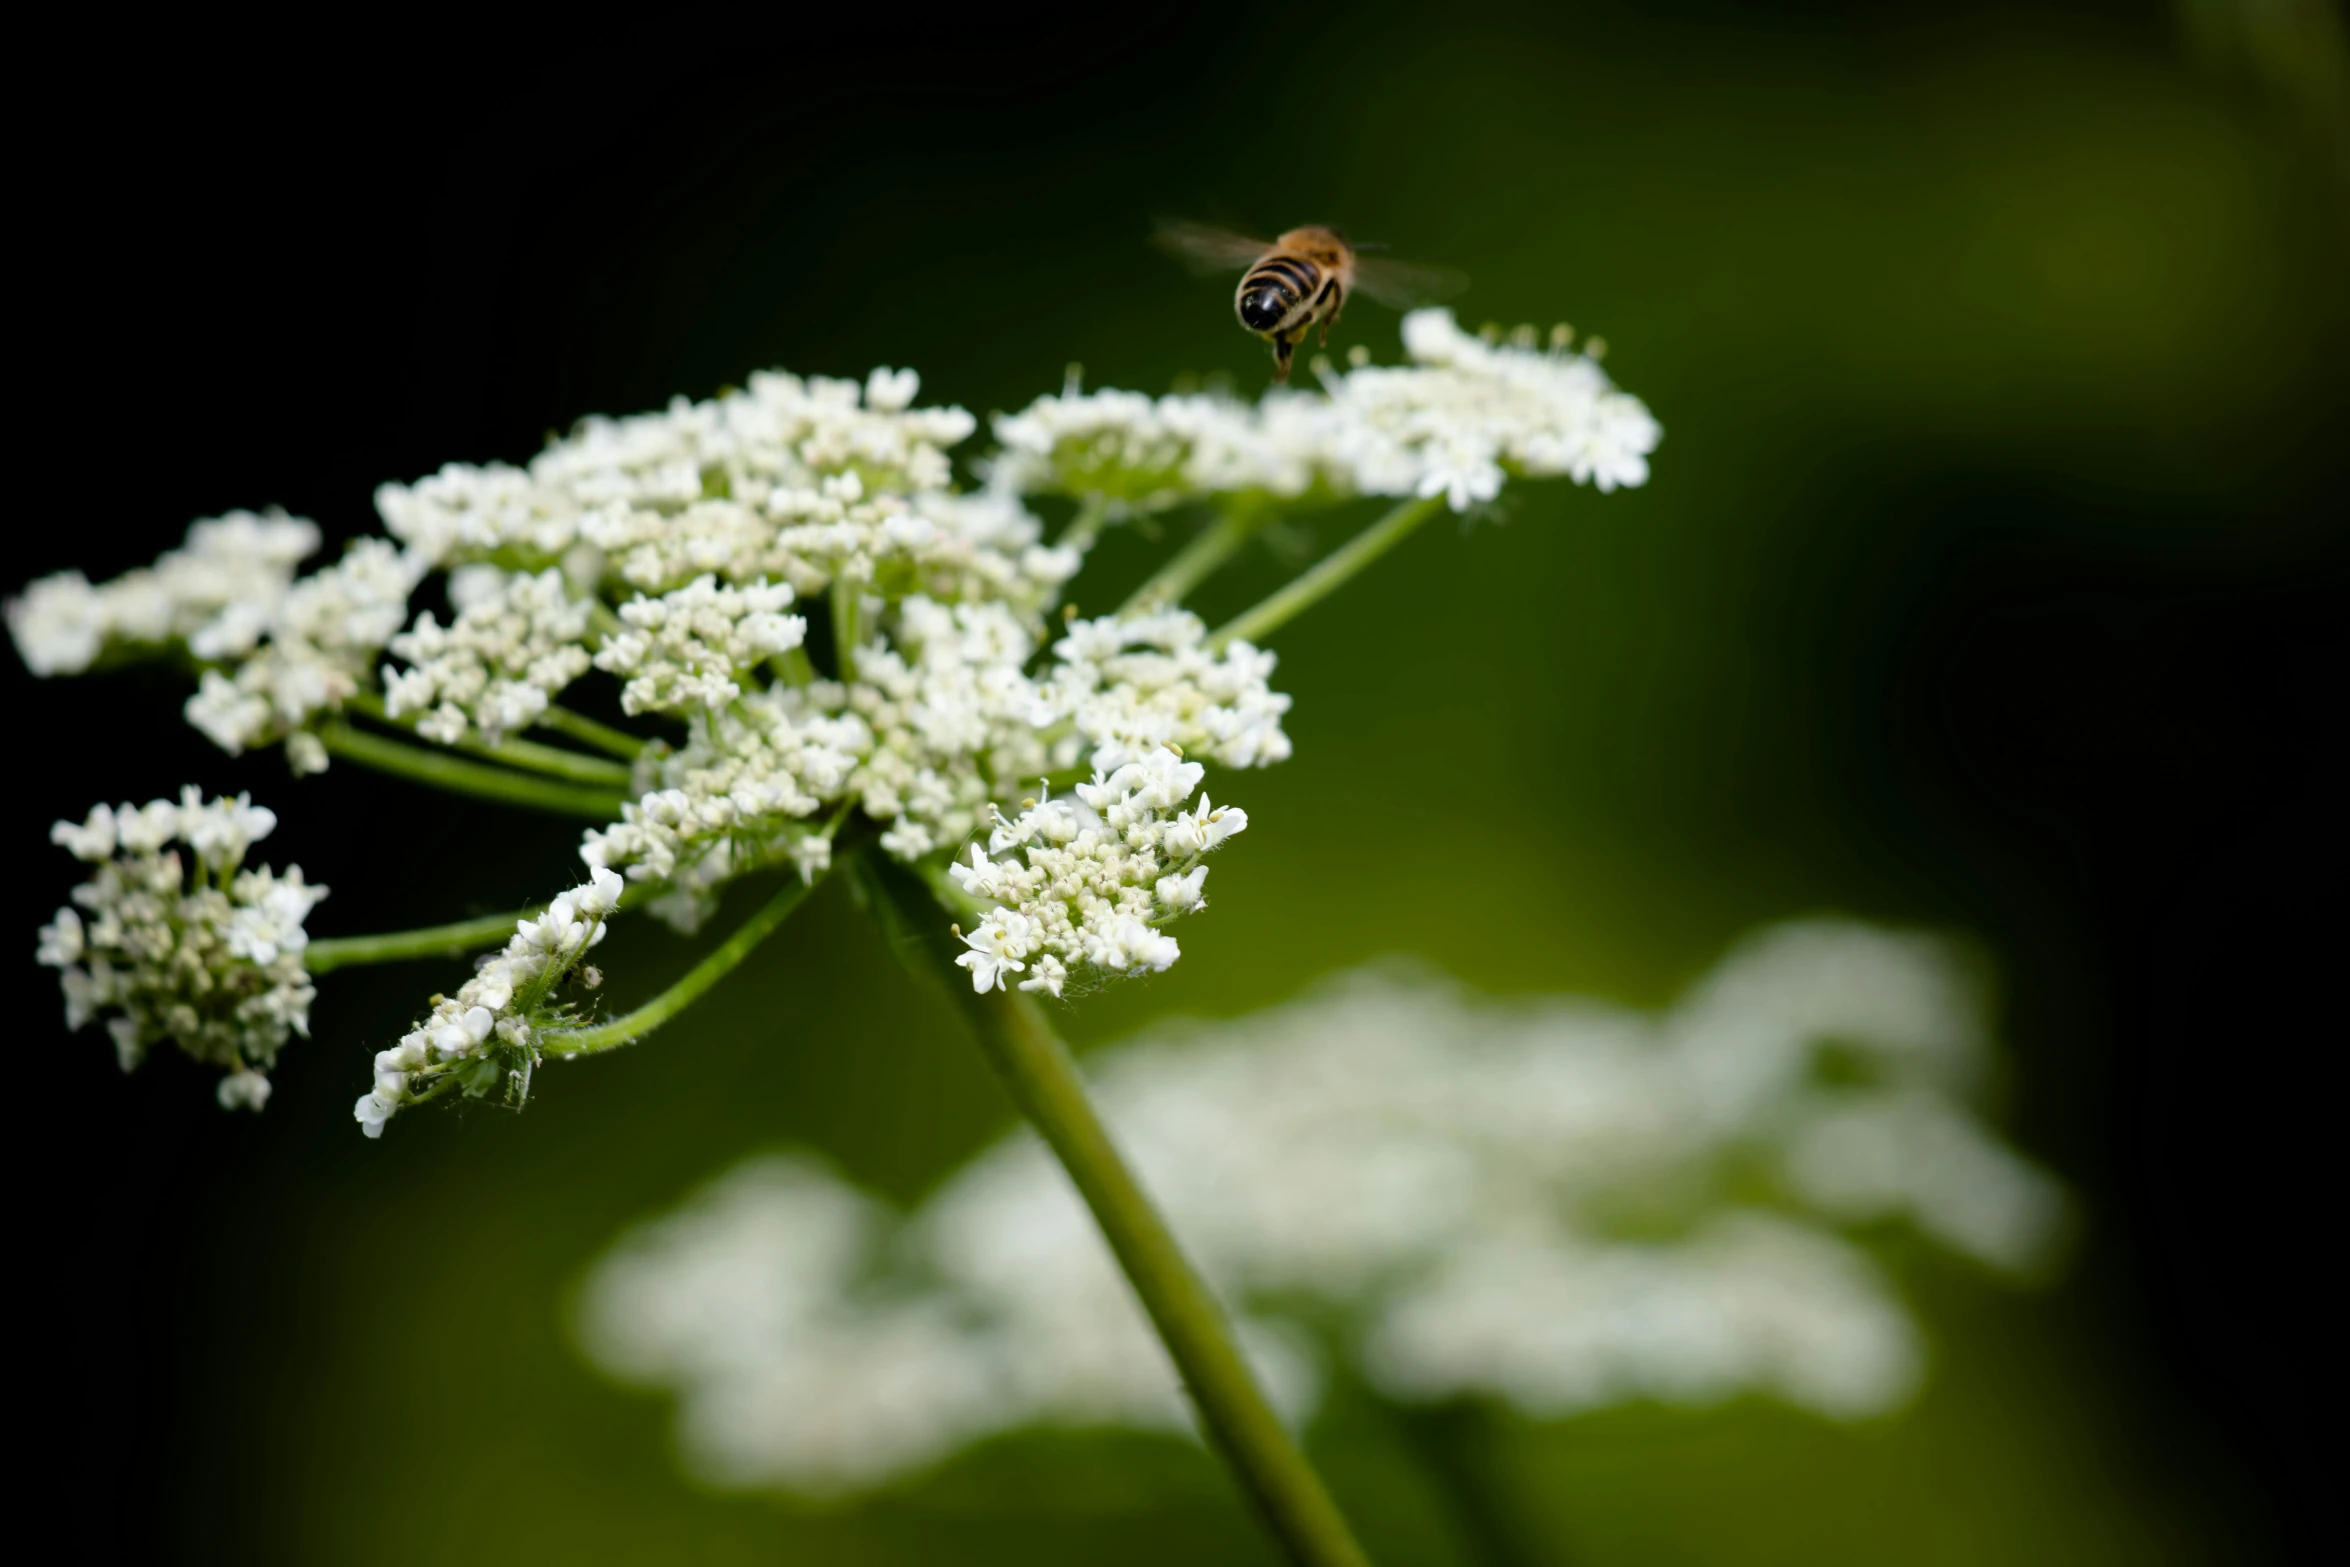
(1283, 346)
(1336, 310)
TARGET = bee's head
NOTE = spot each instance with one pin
(1261, 309)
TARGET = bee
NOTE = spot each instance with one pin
(1300, 282)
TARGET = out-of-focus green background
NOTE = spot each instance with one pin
(2001, 358)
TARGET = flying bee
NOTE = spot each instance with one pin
(1300, 282)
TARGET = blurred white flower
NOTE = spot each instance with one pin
(216, 592)
(1558, 1205)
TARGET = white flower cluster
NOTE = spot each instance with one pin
(515, 642)
(1098, 874)
(692, 648)
(941, 723)
(1561, 1205)
(486, 1036)
(312, 657)
(194, 949)
(1456, 422)
(792, 479)
(666, 551)
(214, 593)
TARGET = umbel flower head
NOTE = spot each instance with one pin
(1559, 1206)
(1464, 416)
(172, 939)
(816, 630)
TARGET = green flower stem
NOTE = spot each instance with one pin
(602, 622)
(1318, 580)
(1036, 1070)
(793, 667)
(433, 941)
(845, 630)
(554, 761)
(1086, 526)
(1198, 560)
(633, 1026)
(459, 776)
(441, 941)
(618, 742)
(527, 755)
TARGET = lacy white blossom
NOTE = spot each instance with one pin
(215, 593)
(699, 487)
(1458, 421)
(942, 724)
(692, 648)
(1560, 1205)
(191, 947)
(790, 572)
(310, 657)
(486, 1037)
(515, 642)
(1096, 877)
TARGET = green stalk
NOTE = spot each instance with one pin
(525, 754)
(444, 771)
(1086, 526)
(432, 941)
(1309, 588)
(554, 761)
(440, 941)
(793, 667)
(1036, 1070)
(633, 1026)
(845, 630)
(1198, 560)
(618, 742)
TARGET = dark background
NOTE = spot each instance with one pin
(1988, 580)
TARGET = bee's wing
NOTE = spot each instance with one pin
(1205, 248)
(1404, 285)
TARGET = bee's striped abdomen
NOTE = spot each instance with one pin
(1288, 269)
(1274, 295)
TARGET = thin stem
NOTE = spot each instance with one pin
(459, 776)
(1086, 526)
(618, 742)
(1327, 573)
(1196, 561)
(792, 667)
(845, 630)
(527, 755)
(602, 621)
(1036, 1070)
(633, 1026)
(554, 761)
(432, 941)
(441, 941)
